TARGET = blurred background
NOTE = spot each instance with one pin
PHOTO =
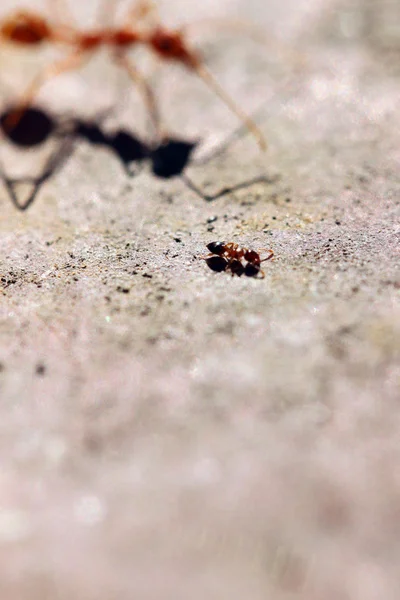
(167, 431)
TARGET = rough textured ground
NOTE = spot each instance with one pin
(171, 432)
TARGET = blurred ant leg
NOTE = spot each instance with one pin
(212, 83)
(228, 140)
(147, 93)
(255, 33)
(141, 11)
(251, 31)
(71, 62)
(62, 12)
(106, 13)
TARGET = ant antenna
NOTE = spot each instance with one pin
(212, 83)
(271, 254)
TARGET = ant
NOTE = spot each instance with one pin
(140, 27)
(228, 256)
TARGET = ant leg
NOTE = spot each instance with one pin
(143, 10)
(72, 61)
(146, 91)
(253, 32)
(212, 83)
(106, 13)
(62, 12)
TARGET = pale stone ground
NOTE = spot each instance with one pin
(170, 432)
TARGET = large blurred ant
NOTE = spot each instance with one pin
(140, 27)
(228, 257)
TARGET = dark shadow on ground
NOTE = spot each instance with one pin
(32, 128)
(35, 126)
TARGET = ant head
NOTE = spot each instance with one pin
(216, 247)
(25, 28)
(252, 256)
(171, 45)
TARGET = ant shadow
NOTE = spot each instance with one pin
(36, 126)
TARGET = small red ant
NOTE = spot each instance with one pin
(228, 256)
(139, 28)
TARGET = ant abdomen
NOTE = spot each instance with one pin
(217, 263)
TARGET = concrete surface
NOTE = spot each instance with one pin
(171, 432)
